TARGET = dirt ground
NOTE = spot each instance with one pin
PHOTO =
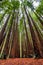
(22, 61)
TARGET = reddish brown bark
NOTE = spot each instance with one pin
(15, 46)
(30, 49)
(2, 33)
(36, 40)
(41, 39)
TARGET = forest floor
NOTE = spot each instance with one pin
(22, 61)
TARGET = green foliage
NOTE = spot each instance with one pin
(15, 4)
(40, 8)
(9, 6)
(29, 4)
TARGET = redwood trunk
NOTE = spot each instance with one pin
(2, 33)
(35, 36)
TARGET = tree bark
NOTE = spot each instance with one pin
(2, 33)
(39, 35)
(41, 21)
(6, 37)
(15, 45)
(35, 36)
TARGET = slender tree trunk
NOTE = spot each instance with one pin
(11, 39)
(2, 33)
(6, 37)
(6, 49)
(39, 43)
(40, 16)
(24, 48)
(41, 21)
(39, 35)
(35, 36)
(30, 47)
(20, 47)
(15, 45)
(17, 36)
(2, 16)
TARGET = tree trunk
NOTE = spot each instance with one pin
(41, 21)
(11, 39)
(2, 17)
(35, 36)
(2, 33)
(15, 45)
(39, 35)
(6, 37)
(30, 48)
